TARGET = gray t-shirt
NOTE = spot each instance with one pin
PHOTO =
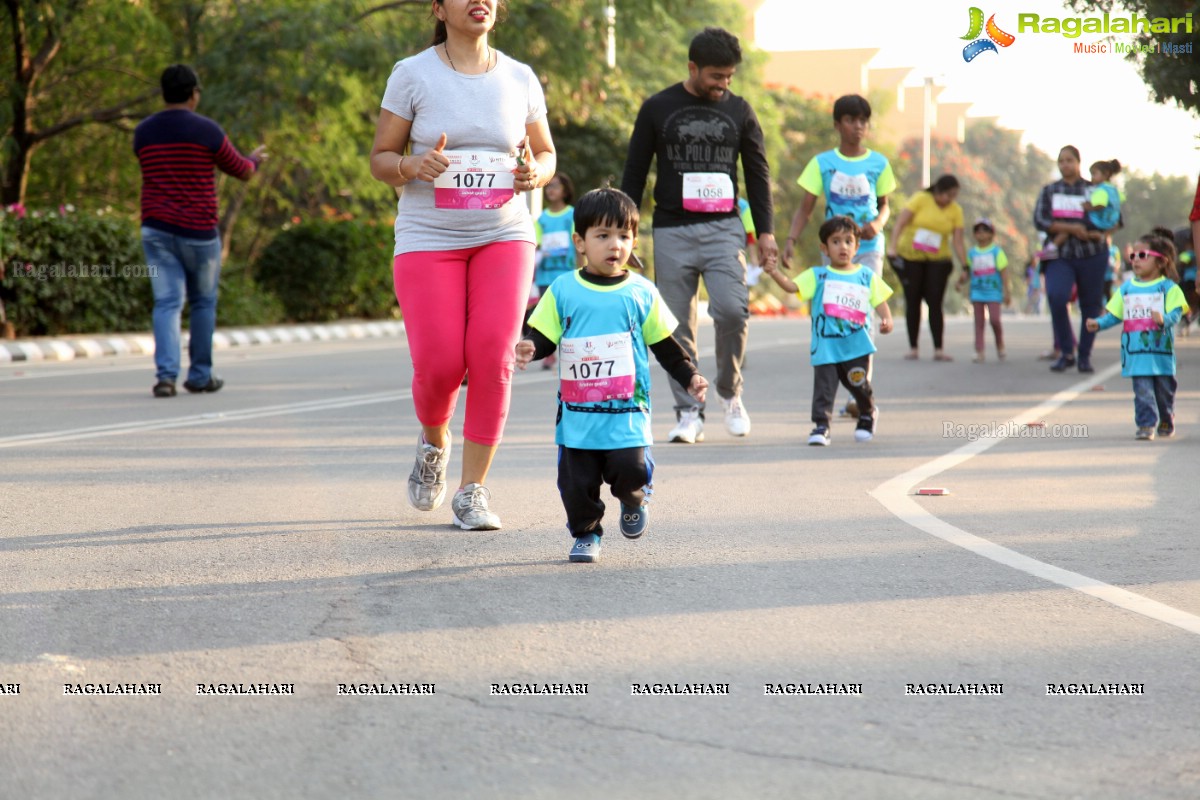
(476, 112)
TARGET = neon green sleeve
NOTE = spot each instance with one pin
(1116, 306)
(880, 291)
(545, 317)
(806, 284)
(660, 322)
(886, 183)
(810, 180)
(537, 232)
(1001, 259)
(1098, 198)
(1175, 299)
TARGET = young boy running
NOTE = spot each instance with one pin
(603, 320)
(842, 295)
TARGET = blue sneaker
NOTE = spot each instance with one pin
(633, 520)
(586, 549)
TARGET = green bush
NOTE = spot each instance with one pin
(72, 273)
(243, 302)
(330, 269)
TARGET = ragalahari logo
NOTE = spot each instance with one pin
(995, 36)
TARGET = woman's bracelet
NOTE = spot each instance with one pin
(400, 171)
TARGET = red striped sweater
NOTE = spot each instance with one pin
(177, 150)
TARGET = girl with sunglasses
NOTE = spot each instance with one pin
(1149, 305)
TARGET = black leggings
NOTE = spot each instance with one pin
(925, 280)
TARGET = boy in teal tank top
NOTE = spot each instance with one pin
(604, 321)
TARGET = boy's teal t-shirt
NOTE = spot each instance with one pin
(842, 304)
(851, 187)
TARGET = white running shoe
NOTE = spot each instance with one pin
(737, 421)
(427, 483)
(471, 512)
(689, 429)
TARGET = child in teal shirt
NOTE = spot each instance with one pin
(842, 296)
(1149, 305)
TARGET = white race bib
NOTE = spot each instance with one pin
(983, 264)
(1067, 206)
(707, 192)
(593, 369)
(557, 243)
(846, 300)
(849, 186)
(1139, 309)
(475, 179)
(927, 241)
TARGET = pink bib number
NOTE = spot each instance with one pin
(707, 192)
(593, 369)
(845, 300)
(1139, 310)
(983, 264)
(475, 179)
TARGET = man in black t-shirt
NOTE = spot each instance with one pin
(697, 130)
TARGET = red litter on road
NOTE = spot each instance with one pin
(1099, 387)
(1035, 424)
(932, 492)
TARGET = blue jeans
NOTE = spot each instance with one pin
(1154, 400)
(1088, 274)
(183, 268)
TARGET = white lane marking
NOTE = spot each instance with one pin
(116, 429)
(895, 495)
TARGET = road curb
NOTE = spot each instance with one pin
(70, 348)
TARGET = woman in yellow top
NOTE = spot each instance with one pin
(927, 230)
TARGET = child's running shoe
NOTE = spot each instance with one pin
(865, 431)
(586, 548)
(633, 520)
(1165, 430)
(819, 436)
(1144, 434)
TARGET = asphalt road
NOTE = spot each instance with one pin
(261, 536)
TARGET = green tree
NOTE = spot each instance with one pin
(1154, 201)
(1171, 75)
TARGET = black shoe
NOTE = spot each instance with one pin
(164, 389)
(1085, 365)
(214, 385)
(1063, 364)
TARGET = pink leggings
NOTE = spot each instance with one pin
(462, 314)
(993, 312)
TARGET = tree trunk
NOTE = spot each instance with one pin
(16, 174)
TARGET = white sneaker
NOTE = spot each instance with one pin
(470, 506)
(427, 483)
(689, 429)
(737, 421)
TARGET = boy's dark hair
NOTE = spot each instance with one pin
(851, 105)
(606, 206)
(836, 225)
(1161, 241)
(568, 187)
(715, 47)
(178, 82)
(1183, 239)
